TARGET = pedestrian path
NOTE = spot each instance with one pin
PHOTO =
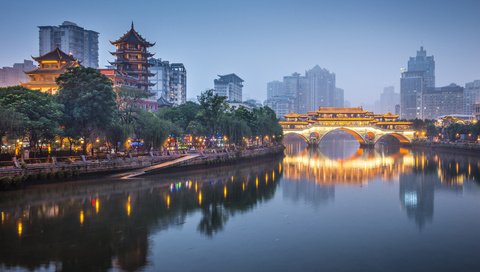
(156, 167)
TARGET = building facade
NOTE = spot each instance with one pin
(471, 96)
(72, 39)
(442, 101)
(160, 79)
(411, 88)
(388, 100)
(15, 75)
(339, 98)
(50, 66)
(178, 84)
(320, 89)
(229, 86)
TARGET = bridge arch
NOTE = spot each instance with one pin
(355, 134)
(402, 139)
(292, 133)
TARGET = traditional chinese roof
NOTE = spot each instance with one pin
(56, 54)
(162, 102)
(132, 37)
(292, 123)
(394, 123)
(340, 110)
(293, 115)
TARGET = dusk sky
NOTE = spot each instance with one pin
(365, 43)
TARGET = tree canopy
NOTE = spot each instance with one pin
(88, 100)
(33, 114)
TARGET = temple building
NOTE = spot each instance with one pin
(50, 66)
(132, 57)
(330, 116)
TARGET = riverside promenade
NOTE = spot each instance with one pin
(59, 169)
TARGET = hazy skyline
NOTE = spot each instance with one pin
(365, 44)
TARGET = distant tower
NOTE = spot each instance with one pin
(132, 57)
(423, 63)
(419, 76)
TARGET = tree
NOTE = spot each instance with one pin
(212, 107)
(88, 100)
(10, 123)
(35, 114)
(153, 130)
(117, 132)
(182, 116)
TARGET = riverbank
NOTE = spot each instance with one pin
(22, 174)
(220, 158)
(465, 148)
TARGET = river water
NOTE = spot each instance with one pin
(335, 208)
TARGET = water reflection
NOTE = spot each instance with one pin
(97, 226)
(331, 198)
(313, 173)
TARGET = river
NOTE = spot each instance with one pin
(334, 208)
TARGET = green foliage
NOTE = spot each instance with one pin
(184, 117)
(117, 132)
(212, 107)
(88, 99)
(153, 130)
(30, 113)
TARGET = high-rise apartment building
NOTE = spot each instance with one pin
(72, 39)
(160, 79)
(14, 75)
(471, 96)
(229, 86)
(178, 84)
(441, 101)
(275, 88)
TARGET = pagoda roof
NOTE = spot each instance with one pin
(61, 70)
(132, 37)
(55, 54)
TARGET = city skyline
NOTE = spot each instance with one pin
(365, 52)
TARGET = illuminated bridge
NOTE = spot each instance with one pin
(368, 128)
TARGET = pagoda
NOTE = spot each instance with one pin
(50, 66)
(132, 57)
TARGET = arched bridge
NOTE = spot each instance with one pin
(368, 128)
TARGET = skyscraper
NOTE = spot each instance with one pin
(411, 88)
(72, 39)
(169, 81)
(338, 98)
(275, 88)
(423, 63)
(419, 75)
(388, 99)
(229, 86)
(321, 88)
